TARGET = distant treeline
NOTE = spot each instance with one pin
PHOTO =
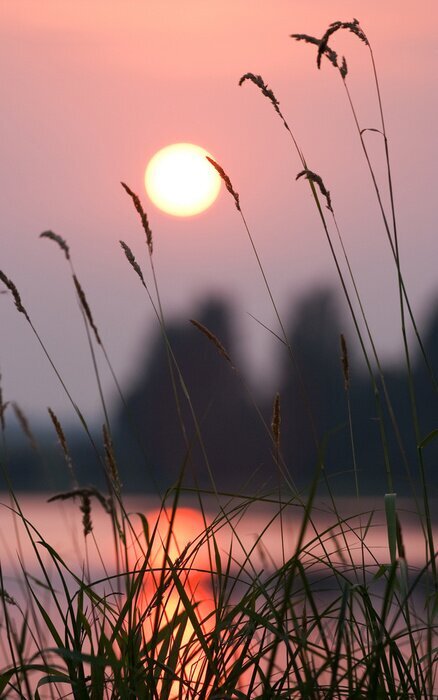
(223, 432)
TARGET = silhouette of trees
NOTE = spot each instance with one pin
(220, 434)
(314, 416)
(232, 437)
(314, 423)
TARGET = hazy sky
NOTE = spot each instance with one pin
(91, 89)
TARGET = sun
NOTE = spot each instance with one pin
(180, 181)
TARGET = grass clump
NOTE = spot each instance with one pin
(326, 615)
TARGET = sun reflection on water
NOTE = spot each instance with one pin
(176, 600)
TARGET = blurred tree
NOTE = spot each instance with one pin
(232, 435)
(312, 388)
(313, 408)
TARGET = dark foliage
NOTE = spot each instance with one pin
(152, 447)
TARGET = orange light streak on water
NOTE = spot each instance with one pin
(167, 604)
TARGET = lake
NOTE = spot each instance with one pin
(260, 539)
(60, 525)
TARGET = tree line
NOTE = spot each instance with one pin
(193, 414)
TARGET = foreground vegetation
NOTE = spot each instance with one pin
(331, 619)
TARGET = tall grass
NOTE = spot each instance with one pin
(216, 617)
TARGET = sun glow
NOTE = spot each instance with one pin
(180, 181)
(168, 543)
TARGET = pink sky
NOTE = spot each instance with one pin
(92, 89)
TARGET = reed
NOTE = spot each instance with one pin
(216, 617)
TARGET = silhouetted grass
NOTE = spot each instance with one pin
(333, 618)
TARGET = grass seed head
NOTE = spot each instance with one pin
(325, 50)
(86, 308)
(226, 181)
(82, 493)
(59, 430)
(317, 179)
(24, 424)
(143, 216)
(60, 241)
(213, 338)
(353, 27)
(110, 460)
(258, 80)
(132, 261)
(267, 92)
(14, 291)
(63, 442)
(86, 513)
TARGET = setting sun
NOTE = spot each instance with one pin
(180, 181)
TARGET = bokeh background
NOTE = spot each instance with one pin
(92, 89)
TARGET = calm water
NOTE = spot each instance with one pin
(257, 531)
(60, 524)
